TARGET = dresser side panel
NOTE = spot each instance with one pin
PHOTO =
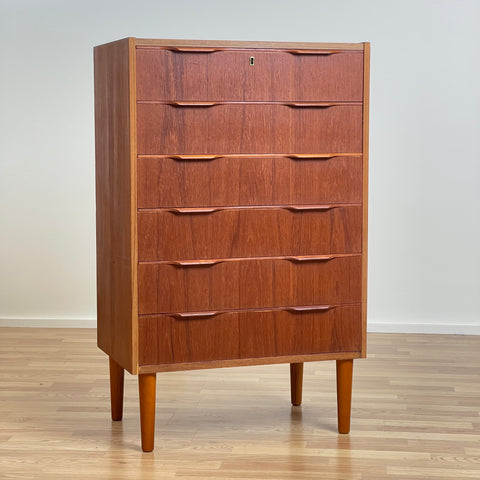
(115, 202)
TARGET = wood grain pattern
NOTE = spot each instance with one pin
(115, 200)
(248, 283)
(344, 370)
(248, 334)
(248, 128)
(414, 415)
(365, 149)
(248, 180)
(296, 383)
(117, 379)
(209, 44)
(147, 395)
(227, 75)
(233, 232)
(247, 362)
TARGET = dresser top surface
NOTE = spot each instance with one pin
(144, 42)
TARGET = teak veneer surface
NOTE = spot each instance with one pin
(209, 45)
(248, 128)
(248, 283)
(228, 76)
(365, 150)
(202, 181)
(233, 232)
(246, 334)
(115, 203)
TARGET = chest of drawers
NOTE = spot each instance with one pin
(231, 190)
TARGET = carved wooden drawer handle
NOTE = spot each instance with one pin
(309, 208)
(312, 309)
(195, 263)
(310, 258)
(193, 211)
(313, 52)
(193, 104)
(194, 315)
(311, 156)
(194, 158)
(310, 104)
(193, 49)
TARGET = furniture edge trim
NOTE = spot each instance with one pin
(146, 42)
(366, 104)
(237, 362)
(132, 74)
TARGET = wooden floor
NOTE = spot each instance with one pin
(415, 415)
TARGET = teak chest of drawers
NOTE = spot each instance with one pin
(231, 189)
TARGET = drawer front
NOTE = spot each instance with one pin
(243, 180)
(248, 283)
(248, 128)
(262, 333)
(228, 76)
(245, 232)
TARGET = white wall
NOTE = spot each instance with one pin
(425, 144)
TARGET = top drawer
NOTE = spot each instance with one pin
(228, 75)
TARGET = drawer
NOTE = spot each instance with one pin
(227, 75)
(214, 180)
(183, 338)
(166, 287)
(205, 233)
(248, 128)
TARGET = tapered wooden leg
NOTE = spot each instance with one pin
(344, 394)
(116, 389)
(147, 388)
(296, 383)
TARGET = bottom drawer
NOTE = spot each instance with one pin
(207, 336)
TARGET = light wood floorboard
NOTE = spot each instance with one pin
(415, 415)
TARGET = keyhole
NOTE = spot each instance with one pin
(252, 61)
